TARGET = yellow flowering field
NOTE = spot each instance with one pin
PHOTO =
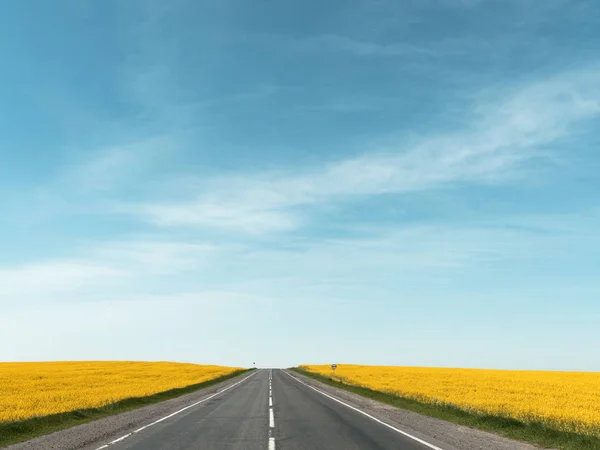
(568, 401)
(39, 389)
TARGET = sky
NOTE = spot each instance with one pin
(281, 182)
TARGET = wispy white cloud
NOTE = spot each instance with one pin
(104, 265)
(424, 251)
(94, 180)
(155, 257)
(111, 167)
(52, 277)
(333, 42)
(247, 217)
(104, 170)
(345, 105)
(501, 136)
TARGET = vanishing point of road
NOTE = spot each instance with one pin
(269, 409)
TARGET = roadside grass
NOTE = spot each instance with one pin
(14, 432)
(533, 433)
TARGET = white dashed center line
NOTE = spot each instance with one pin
(271, 415)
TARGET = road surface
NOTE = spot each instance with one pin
(270, 409)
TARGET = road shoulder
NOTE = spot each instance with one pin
(91, 435)
(444, 434)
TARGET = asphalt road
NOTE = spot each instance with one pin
(293, 417)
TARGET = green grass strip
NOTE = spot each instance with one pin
(14, 432)
(533, 433)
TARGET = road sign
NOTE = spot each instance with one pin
(334, 366)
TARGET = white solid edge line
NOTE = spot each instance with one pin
(271, 418)
(414, 438)
(173, 414)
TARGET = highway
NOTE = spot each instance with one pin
(268, 410)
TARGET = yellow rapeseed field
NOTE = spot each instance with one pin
(568, 401)
(39, 389)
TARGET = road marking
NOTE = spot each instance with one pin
(271, 415)
(122, 438)
(404, 433)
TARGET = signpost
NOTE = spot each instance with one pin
(333, 367)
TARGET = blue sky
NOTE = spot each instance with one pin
(377, 182)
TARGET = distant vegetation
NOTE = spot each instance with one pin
(36, 398)
(560, 409)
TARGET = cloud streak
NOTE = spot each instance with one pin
(111, 167)
(333, 42)
(501, 135)
(52, 277)
(108, 264)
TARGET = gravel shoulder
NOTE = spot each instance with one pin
(446, 435)
(92, 435)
